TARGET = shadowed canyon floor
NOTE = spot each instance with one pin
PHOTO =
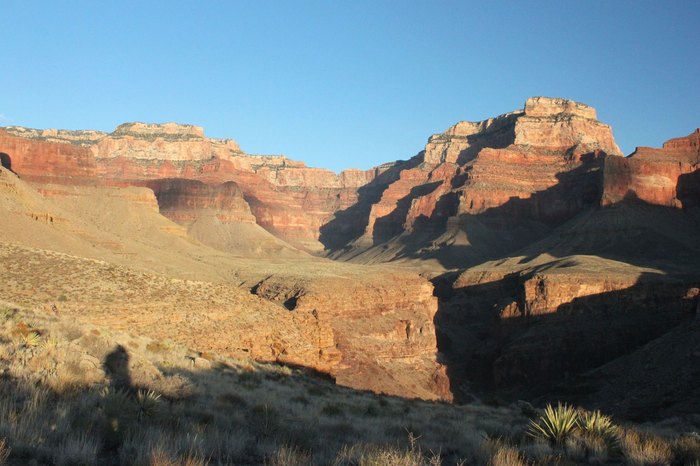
(521, 257)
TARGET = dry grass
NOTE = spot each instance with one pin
(645, 449)
(506, 455)
(4, 452)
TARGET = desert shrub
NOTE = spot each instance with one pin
(233, 399)
(555, 425)
(6, 312)
(156, 446)
(686, 450)
(363, 454)
(263, 420)
(77, 449)
(158, 347)
(301, 399)
(250, 380)
(333, 410)
(506, 455)
(643, 449)
(288, 456)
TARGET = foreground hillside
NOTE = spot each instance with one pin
(73, 393)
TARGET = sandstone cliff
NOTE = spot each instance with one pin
(522, 172)
(655, 176)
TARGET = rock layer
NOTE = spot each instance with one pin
(655, 176)
(529, 170)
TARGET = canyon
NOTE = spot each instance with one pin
(522, 255)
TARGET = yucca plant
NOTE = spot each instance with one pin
(32, 339)
(50, 343)
(148, 402)
(555, 425)
(597, 423)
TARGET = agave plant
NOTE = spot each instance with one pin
(555, 425)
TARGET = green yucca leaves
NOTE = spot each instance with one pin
(148, 403)
(597, 423)
(555, 424)
(32, 339)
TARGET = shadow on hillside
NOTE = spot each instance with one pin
(350, 224)
(688, 190)
(224, 414)
(116, 367)
(492, 341)
(501, 230)
(6, 161)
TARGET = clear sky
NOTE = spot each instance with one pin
(342, 84)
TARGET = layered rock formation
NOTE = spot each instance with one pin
(621, 275)
(655, 176)
(36, 158)
(393, 345)
(527, 170)
(566, 244)
(469, 169)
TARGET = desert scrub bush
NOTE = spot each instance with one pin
(364, 454)
(288, 456)
(77, 449)
(497, 452)
(263, 420)
(333, 410)
(158, 347)
(156, 446)
(555, 425)
(686, 450)
(644, 449)
(50, 343)
(6, 312)
(506, 456)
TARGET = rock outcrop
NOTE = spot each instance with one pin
(531, 169)
(656, 176)
(46, 159)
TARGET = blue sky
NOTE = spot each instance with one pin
(342, 84)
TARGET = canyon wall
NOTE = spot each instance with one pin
(655, 176)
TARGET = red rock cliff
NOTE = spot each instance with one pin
(652, 175)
